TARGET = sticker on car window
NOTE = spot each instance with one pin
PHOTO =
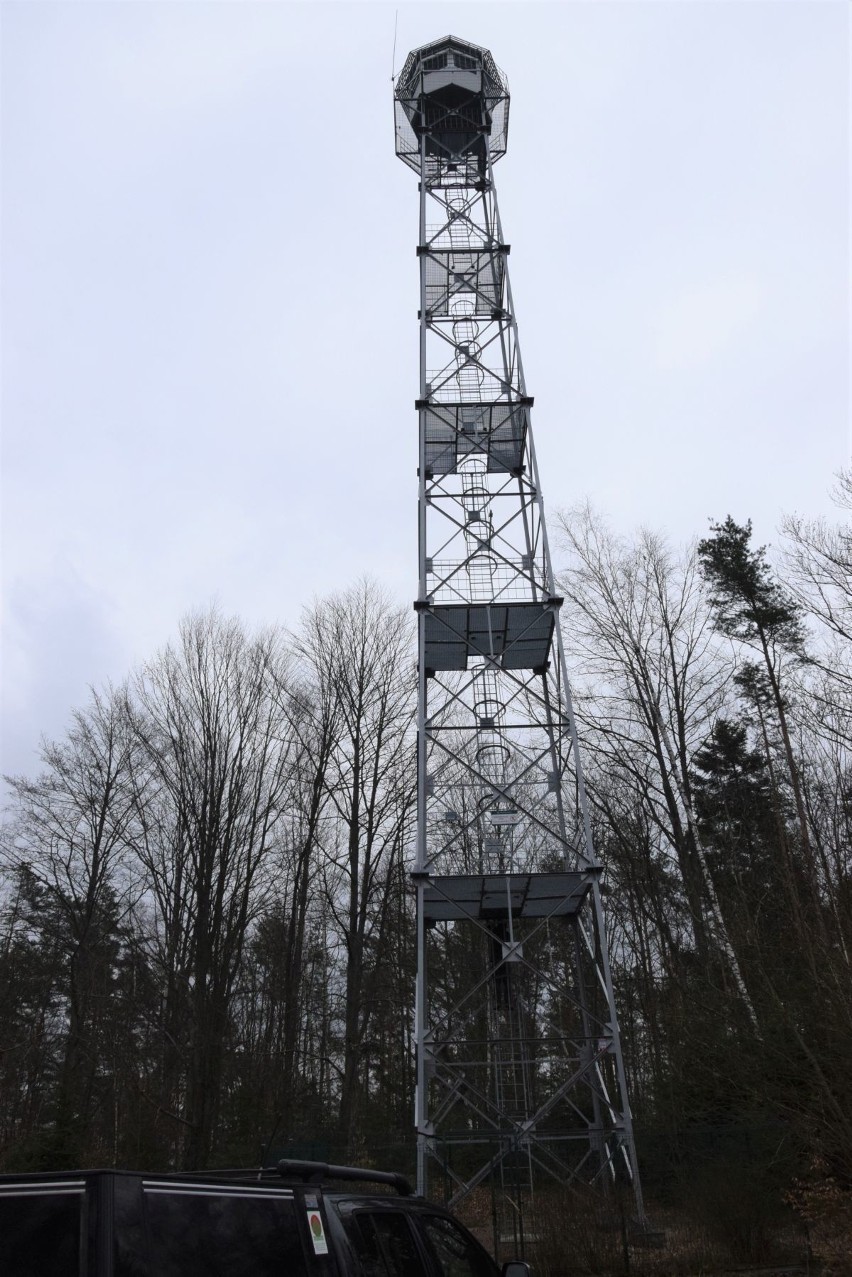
(317, 1232)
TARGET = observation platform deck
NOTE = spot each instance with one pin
(490, 896)
(453, 431)
(514, 636)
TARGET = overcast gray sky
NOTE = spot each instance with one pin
(210, 291)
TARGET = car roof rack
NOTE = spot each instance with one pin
(219, 1172)
(316, 1172)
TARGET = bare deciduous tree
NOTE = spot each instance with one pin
(643, 644)
(357, 650)
(213, 778)
(69, 832)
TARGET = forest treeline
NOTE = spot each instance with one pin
(206, 923)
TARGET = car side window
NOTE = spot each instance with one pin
(203, 1231)
(40, 1231)
(385, 1245)
(457, 1253)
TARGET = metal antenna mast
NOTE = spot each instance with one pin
(520, 1076)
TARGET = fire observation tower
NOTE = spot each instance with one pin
(520, 1076)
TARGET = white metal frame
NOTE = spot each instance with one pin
(520, 1074)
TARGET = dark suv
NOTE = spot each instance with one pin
(282, 1222)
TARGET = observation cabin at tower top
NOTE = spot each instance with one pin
(452, 96)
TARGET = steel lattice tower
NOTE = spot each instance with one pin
(520, 1076)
